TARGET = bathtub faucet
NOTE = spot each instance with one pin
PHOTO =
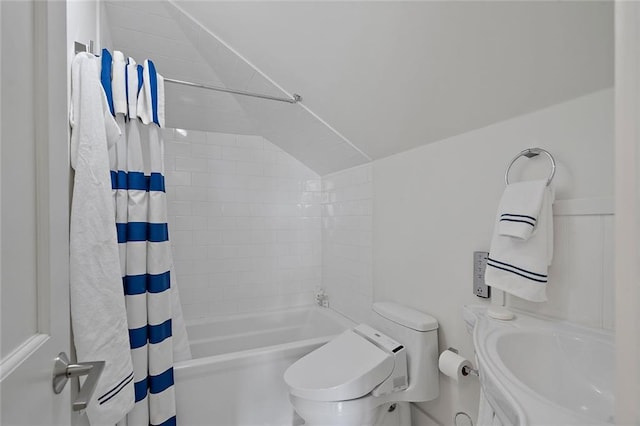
(322, 298)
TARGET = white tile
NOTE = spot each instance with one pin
(236, 209)
(222, 139)
(221, 251)
(222, 195)
(179, 208)
(249, 168)
(226, 307)
(221, 166)
(205, 208)
(270, 156)
(311, 210)
(188, 193)
(194, 253)
(195, 310)
(203, 268)
(178, 178)
(251, 250)
(222, 223)
(226, 216)
(314, 185)
(235, 153)
(190, 296)
(180, 237)
(207, 237)
(190, 223)
(177, 149)
(346, 241)
(237, 236)
(206, 151)
(202, 179)
(250, 222)
(191, 136)
(191, 164)
(170, 164)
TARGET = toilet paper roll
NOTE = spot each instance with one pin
(451, 364)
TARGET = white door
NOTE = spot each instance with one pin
(34, 211)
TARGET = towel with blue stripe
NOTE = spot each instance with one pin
(136, 98)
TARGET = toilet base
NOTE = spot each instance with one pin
(367, 411)
(400, 415)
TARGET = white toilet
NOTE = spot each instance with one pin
(369, 374)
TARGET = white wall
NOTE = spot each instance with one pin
(627, 222)
(244, 222)
(435, 205)
(347, 234)
(82, 24)
(581, 289)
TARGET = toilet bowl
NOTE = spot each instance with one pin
(362, 411)
(361, 376)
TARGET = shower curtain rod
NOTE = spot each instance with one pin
(81, 47)
(296, 98)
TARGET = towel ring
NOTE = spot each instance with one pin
(530, 153)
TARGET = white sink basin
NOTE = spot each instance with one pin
(543, 372)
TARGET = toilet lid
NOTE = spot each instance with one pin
(347, 367)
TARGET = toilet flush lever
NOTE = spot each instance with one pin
(62, 371)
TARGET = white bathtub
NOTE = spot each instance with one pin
(235, 377)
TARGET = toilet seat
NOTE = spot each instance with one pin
(348, 367)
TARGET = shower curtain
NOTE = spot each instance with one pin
(156, 329)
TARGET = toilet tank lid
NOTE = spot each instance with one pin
(406, 316)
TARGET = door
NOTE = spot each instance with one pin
(34, 211)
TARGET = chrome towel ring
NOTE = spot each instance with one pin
(530, 153)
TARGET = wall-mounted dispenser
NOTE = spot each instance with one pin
(480, 288)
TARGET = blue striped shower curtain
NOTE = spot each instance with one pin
(137, 173)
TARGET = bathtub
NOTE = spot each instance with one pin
(235, 376)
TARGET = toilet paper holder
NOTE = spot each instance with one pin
(465, 370)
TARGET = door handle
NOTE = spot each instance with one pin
(62, 371)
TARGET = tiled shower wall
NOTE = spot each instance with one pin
(347, 241)
(244, 221)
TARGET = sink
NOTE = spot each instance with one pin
(538, 371)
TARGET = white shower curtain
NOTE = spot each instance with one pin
(156, 329)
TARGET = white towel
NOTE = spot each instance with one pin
(150, 106)
(519, 208)
(518, 266)
(75, 113)
(98, 314)
(119, 83)
(134, 84)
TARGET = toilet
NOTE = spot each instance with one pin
(368, 375)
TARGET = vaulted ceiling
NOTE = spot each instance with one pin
(377, 77)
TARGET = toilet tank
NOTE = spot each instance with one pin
(418, 332)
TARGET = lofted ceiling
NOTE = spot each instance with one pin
(377, 77)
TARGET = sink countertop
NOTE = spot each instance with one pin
(541, 371)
